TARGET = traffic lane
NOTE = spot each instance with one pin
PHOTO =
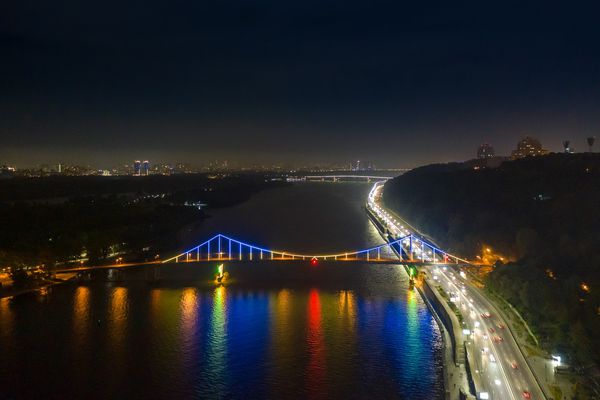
(525, 372)
(504, 354)
(496, 372)
(507, 352)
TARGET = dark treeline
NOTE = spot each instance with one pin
(57, 187)
(543, 214)
(55, 220)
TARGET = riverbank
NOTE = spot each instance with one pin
(539, 213)
(494, 369)
(456, 373)
(96, 219)
(8, 289)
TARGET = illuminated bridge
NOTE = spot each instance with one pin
(336, 178)
(407, 249)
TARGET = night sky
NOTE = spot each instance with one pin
(105, 82)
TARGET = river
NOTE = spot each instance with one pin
(280, 330)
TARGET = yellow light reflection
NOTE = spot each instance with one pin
(117, 323)
(6, 323)
(347, 307)
(340, 323)
(81, 315)
(154, 301)
(189, 310)
(217, 334)
(282, 351)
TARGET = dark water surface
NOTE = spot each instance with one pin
(279, 330)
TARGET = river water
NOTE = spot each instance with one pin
(279, 330)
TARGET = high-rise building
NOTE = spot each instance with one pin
(137, 165)
(590, 142)
(528, 147)
(485, 151)
(146, 167)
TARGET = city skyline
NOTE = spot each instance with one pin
(199, 165)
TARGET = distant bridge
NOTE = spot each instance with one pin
(407, 249)
(335, 178)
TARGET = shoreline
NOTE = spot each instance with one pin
(451, 366)
(474, 383)
(12, 292)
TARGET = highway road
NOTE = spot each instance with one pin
(502, 370)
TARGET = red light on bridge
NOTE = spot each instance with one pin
(314, 261)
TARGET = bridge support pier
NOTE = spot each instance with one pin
(153, 274)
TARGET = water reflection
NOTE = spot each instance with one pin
(350, 337)
(117, 318)
(282, 349)
(216, 352)
(189, 315)
(189, 336)
(412, 334)
(81, 315)
(347, 309)
(316, 347)
(226, 343)
(342, 352)
(117, 326)
(6, 323)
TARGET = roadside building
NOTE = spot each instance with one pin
(485, 151)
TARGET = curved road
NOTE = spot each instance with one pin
(499, 363)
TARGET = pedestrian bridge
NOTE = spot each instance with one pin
(406, 249)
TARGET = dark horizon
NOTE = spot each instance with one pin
(270, 82)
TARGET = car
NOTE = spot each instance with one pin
(500, 326)
(526, 395)
(491, 330)
(514, 365)
(492, 358)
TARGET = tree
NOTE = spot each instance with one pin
(526, 240)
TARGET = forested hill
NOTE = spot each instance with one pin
(542, 214)
(548, 202)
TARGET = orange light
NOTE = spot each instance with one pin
(585, 287)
